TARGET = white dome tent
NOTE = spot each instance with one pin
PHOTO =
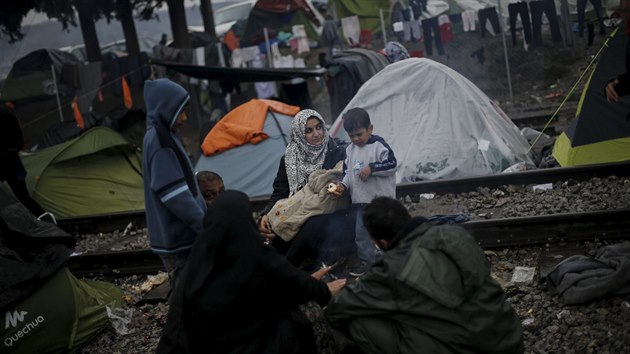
(439, 124)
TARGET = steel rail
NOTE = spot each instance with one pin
(118, 263)
(539, 176)
(531, 230)
(499, 233)
(110, 222)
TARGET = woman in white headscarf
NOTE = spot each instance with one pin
(310, 148)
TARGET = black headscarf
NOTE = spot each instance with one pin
(236, 294)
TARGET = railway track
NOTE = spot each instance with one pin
(506, 232)
(495, 233)
(118, 221)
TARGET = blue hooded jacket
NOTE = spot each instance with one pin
(174, 206)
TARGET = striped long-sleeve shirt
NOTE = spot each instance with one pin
(380, 157)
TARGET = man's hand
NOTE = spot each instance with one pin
(321, 272)
(336, 286)
(365, 173)
(611, 94)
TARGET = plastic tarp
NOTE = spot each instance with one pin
(252, 168)
(347, 71)
(439, 124)
(99, 172)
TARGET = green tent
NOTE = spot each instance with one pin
(600, 132)
(368, 12)
(99, 172)
(60, 317)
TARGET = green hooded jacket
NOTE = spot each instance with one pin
(431, 293)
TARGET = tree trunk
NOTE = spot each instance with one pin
(208, 17)
(123, 8)
(88, 30)
(177, 15)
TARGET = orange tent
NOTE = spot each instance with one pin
(242, 125)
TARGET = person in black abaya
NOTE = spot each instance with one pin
(238, 295)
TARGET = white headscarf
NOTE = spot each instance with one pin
(302, 158)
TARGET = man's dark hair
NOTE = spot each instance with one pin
(208, 176)
(356, 118)
(385, 217)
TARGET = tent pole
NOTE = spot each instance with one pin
(333, 6)
(505, 54)
(269, 56)
(567, 40)
(383, 27)
(221, 57)
(52, 68)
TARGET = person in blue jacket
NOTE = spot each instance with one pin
(174, 206)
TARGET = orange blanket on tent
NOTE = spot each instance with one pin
(244, 124)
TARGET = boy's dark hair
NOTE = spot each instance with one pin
(208, 176)
(384, 217)
(356, 118)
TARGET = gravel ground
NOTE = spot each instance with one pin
(549, 326)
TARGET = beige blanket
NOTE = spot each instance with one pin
(289, 214)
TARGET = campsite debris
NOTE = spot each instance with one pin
(562, 314)
(528, 322)
(523, 274)
(552, 95)
(538, 99)
(543, 187)
(543, 331)
(127, 229)
(517, 167)
(120, 318)
(152, 281)
(534, 304)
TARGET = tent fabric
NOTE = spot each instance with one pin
(368, 12)
(347, 71)
(439, 124)
(98, 172)
(243, 125)
(30, 250)
(600, 132)
(31, 75)
(274, 21)
(252, 168)
(60, 317)
(287, 6)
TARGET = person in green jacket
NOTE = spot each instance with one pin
(431, 292)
